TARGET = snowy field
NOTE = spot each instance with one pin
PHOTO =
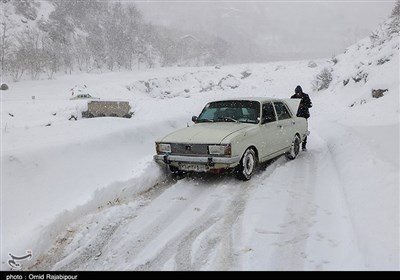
(86, 194)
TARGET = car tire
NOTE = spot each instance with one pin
(247, 165)
(294, 148)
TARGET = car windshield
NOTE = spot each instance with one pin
(231, 111)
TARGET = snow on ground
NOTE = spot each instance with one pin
(86, 195)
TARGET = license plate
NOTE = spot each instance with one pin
(193, 167)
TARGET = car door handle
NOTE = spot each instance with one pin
(293, 122)
(279, 126)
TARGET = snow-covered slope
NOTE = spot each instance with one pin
(86, 194)
(22, 15)
(371, 64)
(354, 118)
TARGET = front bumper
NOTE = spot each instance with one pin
(211, 162)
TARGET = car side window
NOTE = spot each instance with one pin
(268, 113)
(282, 111)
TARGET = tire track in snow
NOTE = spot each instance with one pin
(140, 226)
(298, 219)
(317, 229)
(348, 233)
(213, 230)
(182, 202)
(340, 234)
(216, 232)
(178, 249)
(55, 258)
(160, 236)
(300, 210)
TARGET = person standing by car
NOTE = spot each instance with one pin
(303, 111)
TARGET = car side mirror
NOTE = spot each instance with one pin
(194, 119)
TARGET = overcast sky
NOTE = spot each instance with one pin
(275, 30)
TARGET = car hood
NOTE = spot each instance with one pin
(205, 133)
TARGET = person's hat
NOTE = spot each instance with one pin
(298, 89)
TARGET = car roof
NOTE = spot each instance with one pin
(257, 99)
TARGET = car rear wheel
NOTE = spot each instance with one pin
(294, 148)
(247, 165)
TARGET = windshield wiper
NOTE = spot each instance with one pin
(228, 119)
(205, 120)
(231, 119)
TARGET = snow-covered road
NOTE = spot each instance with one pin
(291, 215)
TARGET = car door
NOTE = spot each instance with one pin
(285, 124)
(270, 132)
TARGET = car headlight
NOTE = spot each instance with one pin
(219, 149)
(163, 148)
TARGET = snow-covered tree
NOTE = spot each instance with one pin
(7, 26)
(394, 25)
(323, 79)
(27, 8)
(96, 34)
(30, 48)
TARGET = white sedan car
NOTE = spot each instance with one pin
(236, 135)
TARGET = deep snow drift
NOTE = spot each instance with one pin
(86, 194)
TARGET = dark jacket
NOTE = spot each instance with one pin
(305, 103)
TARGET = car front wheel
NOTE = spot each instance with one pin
(247, 165)
(294, 148)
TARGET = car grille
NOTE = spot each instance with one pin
(189, 149)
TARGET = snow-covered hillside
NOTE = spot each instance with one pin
(371, 64)
(86, 195)
(46, 38)
(21, 15)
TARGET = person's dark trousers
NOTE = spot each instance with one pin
(304, 144)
